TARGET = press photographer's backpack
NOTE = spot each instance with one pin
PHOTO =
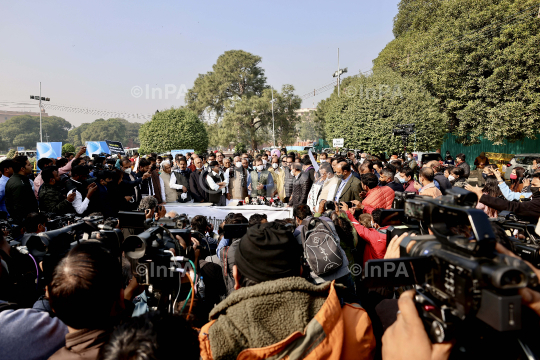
(321, 247)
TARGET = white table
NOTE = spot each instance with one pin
(216, 214)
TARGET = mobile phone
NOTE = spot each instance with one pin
(72, 192)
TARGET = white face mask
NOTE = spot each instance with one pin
(264, 162)
(216, 173)
(323, 161)
(260, 167)
(127, 171)
(238, 164)
(451, 178)
(275, 165)
(292, 173)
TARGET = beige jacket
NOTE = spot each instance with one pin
(430, 190)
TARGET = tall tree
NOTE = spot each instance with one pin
(478, 58)
(370, 108)
(235, 74)
(24, 130)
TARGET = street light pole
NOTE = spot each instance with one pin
(40, 99)
(40, 128)
(338, 73)
(273, 123)
(338, 76)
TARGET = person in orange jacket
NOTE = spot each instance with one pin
(274, 312)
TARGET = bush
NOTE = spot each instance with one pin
(173, 129)
(240, 148)
(11, 154)
(68, 148)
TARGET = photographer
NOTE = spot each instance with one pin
(77, 184)
(268, 272)
(153, 336)
(374, 237)
(50, 198)
(507, 193)
(87, 294)
(526, 209)
(203, 232)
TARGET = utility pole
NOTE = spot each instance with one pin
(40, 99)
(339, 72)
(47, 136)
(273, 124)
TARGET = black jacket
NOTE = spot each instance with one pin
(395, 186)
(301, 187)
(529, 210)
(197, 184)
(444, 183)
(466, 168)
(20, 197)
(52, 200)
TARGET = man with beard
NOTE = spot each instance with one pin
(180, 181)
(238, 178)
(50, 197)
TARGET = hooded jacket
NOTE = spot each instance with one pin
(287, 318)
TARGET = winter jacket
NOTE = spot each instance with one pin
(430, 190)
(289, 182)
(301, 188)
(52, 200)
(461, 183)
(443, 181)
(375, 240)
(287, 318)
(466, 168)
(378, 198)
(20, 197)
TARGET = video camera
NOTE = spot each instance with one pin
(524, 241)
(407, 129)
(458, 275)
(155, 265)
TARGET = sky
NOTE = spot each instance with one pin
(109, 55)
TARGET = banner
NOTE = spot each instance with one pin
(115, 147)
(183, 152)
(216, 214)
(20, 148)
(51, 150)
(96, 147)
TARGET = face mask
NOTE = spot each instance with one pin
(401, 180)
(451, 178)
(264, 162)
(410, 158)
(484, 175)
(372, 224)
(383, 183)
(275, 165)
(260, 167)
(513, 176)
(323, 161)
(216, 173)
(535, 190)
(238, 164)
(292, 173)
(339, 176)
(127, 171)
(198, 168)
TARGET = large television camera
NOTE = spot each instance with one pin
(407, 130)
(452, 263)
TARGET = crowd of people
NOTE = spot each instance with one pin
(259, 295)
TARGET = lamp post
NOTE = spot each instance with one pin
(273, 124)
(339, 72)
(40, 100)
